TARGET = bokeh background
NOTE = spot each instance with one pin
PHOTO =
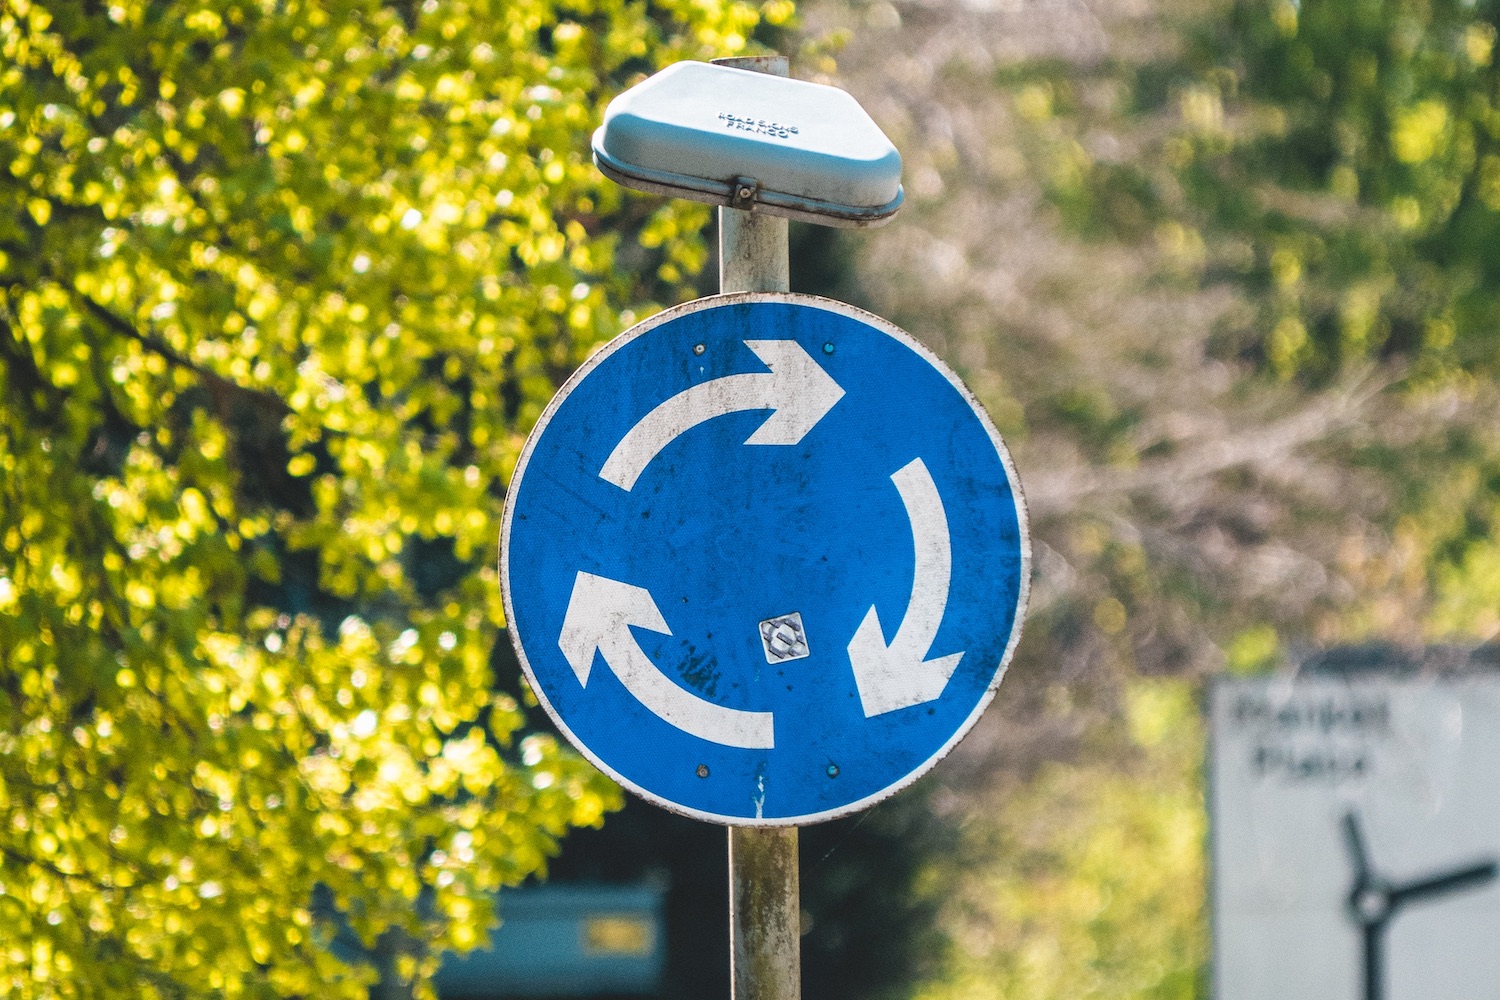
(283, 286)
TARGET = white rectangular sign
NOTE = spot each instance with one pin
(1356, 838)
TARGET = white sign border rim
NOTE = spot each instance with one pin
(827, 305)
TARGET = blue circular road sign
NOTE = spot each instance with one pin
(764, 559)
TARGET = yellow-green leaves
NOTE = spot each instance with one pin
(1358, 137)
(282, 286)
(1420, 131)
(1087, 881)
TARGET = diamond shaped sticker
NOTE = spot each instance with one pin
(784, 638)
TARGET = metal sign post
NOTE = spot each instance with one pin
(764, 557)
(765, 911)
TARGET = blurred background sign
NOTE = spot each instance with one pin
(565, 941)
(1355, 813)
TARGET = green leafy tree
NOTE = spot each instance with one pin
(1337, 166)
(282, 287)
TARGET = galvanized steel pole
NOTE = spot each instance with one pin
(765, 911)
(765, 914)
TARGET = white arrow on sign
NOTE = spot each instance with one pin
(900, 675)
(796, 388)
(600, 613)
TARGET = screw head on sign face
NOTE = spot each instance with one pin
(744, 193)
(833, 770)
(702, 770)
(699, 348)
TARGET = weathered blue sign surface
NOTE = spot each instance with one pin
(764, 559)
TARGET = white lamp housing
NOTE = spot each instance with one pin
(752, 141)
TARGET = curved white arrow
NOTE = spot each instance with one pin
(796, 388)
(600, 613)
(899, 675)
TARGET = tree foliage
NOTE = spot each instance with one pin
(1088, 882)
(1337, 166)
(1348, 149)
(282, 286)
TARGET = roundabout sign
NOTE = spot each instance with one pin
(764, 559)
